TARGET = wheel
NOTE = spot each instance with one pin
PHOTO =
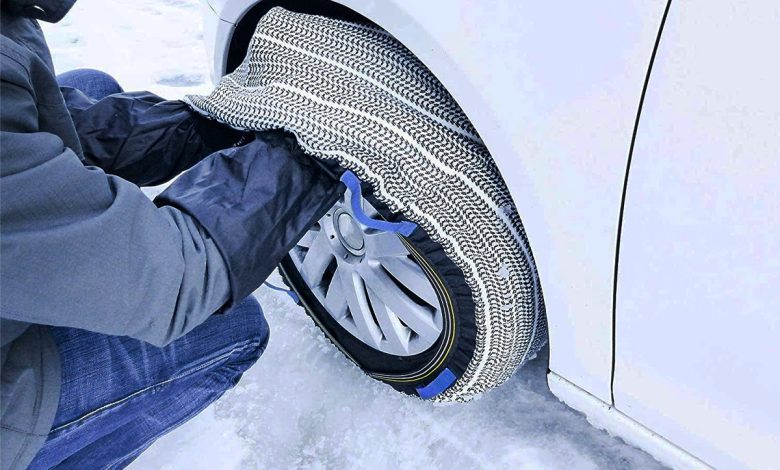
(353, 95)
(396, 306)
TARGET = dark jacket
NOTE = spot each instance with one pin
(83, 247)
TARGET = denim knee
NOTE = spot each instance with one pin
(94, 83)
(249, 315)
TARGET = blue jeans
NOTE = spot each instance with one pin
(93, 83)
(119, 394)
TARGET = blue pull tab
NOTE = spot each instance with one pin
(351, 181)
(442, 382)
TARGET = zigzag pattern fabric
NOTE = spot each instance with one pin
(353, 93)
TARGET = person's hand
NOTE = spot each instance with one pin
(256, 201)
(219, 136)
(329, 166)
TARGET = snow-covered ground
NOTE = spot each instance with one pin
(304, 405)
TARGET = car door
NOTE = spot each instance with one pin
(698, 305)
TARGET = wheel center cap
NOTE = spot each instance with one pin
(349, 232)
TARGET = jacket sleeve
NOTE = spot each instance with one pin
(257, 201)
(84, 249)
(143, 138)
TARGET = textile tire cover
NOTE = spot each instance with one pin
(351, 93)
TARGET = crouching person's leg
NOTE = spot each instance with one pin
(119, 395)
(93, 83)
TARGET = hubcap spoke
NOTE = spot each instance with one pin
(316, 260)
(308, 238)
(411, 275)
(359, 308)
(396, 334)
(384, 245)
(336, 301)
(416, 317)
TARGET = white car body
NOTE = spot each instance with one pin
(676, 350)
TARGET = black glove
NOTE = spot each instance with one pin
(256, 201)
(330, 167)
(144, 138)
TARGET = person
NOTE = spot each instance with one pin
(123, 317)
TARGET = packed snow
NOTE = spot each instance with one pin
(303, 405)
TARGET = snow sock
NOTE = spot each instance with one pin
(354, 95)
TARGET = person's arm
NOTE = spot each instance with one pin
(257, 204)
(143, 138)
(81, 248)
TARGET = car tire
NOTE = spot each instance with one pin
(452, 351)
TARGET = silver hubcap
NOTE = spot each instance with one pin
(369, 282)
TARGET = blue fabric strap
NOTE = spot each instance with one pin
(351, 181)
(289, 292)
(442, 382)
